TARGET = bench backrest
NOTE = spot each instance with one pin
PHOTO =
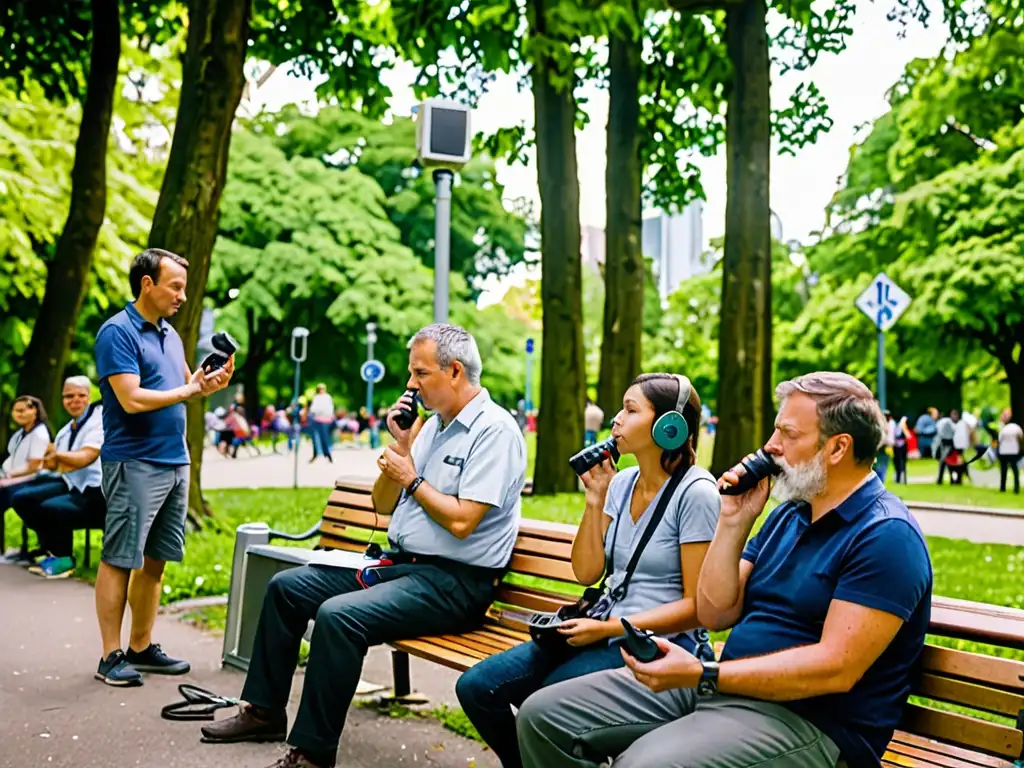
(987, 694)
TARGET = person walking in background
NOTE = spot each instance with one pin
(900, 446)
(888, 439)
(943, 445)
(1011, 445)
(924, 427)
(593, 418)
(145, 381)
(321, 418)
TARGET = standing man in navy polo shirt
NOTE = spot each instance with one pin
(828, 605)
(145, 381)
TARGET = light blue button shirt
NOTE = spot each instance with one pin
(90, 433)
(480, 456)
(690, 518)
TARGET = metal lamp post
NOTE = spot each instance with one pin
(300, 342)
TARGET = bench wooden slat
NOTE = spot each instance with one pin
(903, 738)
(333, 542)
(442, 642)
(530, 598)
(356, 516)
(979, 622)
(1003, 673)
(964, 731)
(937, 755)
(475, 644)
(543, 529)
(970, 695)
(531, 545)
(426, 650)
(533, 565)
(492, 640)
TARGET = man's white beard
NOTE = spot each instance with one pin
(802, 482)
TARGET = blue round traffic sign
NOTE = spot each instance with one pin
(372, 370)
(529, 346)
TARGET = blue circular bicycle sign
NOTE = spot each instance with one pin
(372, 370)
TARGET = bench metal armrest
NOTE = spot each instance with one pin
(296, 536)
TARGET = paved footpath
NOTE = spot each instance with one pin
(55, 714)
(270, 470)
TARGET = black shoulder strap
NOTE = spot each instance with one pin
(652, 525)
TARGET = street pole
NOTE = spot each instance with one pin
(371, 337)
(442, 241)
(299, 343)
(528, 397)
(881, 369)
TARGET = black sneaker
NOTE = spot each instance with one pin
(156, 662)
(115, 670)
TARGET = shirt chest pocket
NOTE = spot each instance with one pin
(446, 476)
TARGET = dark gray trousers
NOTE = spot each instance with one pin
(580, 723)
(413, 600)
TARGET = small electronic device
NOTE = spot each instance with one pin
(640, 643)
(406, 417)
(224, 347)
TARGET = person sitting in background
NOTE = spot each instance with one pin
(213, 423)
(241, 432)
(661, 595)
(25, 451)
(68, 494)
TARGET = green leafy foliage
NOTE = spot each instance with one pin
(37, 145)
(486, 239)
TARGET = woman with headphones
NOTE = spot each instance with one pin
(658, 424)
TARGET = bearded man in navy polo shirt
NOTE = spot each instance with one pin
(145, 381)
(828, 605)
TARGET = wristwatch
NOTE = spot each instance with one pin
(708, 684)
(411, 490)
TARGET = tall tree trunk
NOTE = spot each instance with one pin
(1015, 378)
(563, 375)
(67, 274)
(744, 371)
(186, 213)
(254, 359)
(624, 262)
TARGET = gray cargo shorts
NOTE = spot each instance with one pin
(146, 509)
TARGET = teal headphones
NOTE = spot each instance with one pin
(670, 430)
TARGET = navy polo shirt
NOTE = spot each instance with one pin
(128, 343)
(869, 550)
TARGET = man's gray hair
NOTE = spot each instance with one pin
(845, 406)
(81, 382)
(453, 343)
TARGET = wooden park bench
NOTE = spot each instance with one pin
(982, 729)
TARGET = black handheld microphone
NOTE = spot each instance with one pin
(758, 466)
(590, 457)
(406, 417)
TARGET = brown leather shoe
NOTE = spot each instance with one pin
(245, 726)
(294, 759)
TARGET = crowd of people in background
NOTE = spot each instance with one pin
(951, 439)
(326, 426)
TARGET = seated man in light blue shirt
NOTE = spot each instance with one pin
(66, 495)
(452, 486)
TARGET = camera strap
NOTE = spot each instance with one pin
(668, 493)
